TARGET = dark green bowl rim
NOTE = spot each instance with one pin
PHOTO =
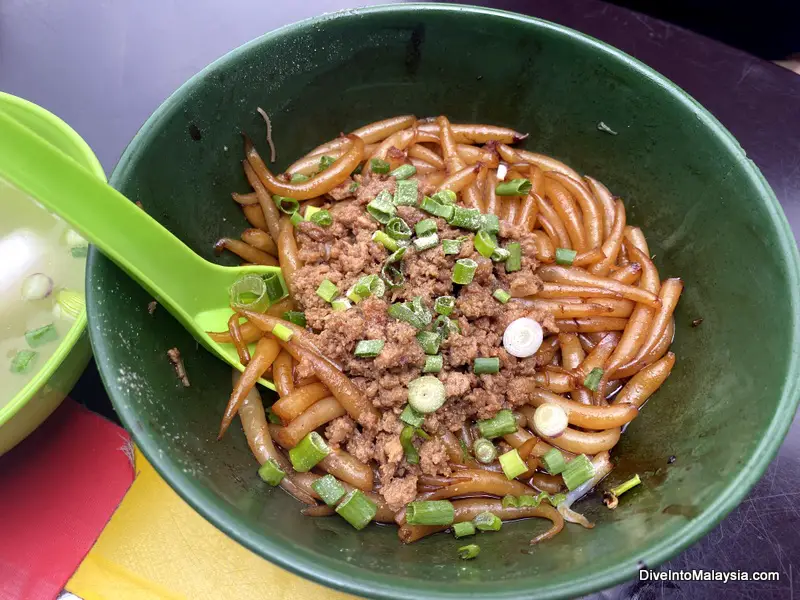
(362, 582)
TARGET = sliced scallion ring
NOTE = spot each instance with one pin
(426, 394)
(523, 337)
(550, 420)
(250, 292)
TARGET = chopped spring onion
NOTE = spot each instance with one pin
(329, 489)
(469, 551)
(414, 313)
(429, 341)
(398, 229)
(411, 417)
(381, 207)
(41, 335)
(310, 211)
(430, 512)
(592, 380)
(491, 224)
(425, 227)
(526, 501)
(357, 509)
(445, 197)
(444, 326)
(484, 451)
(272, 417)
(327, 290)
(296, 218)
(503, 423)
(554, 461)
(487, 521)
(396, 256)
(426, 394)
(308, 452)
(406, 192)
(282, 331)
(451, 246)
(354, 186)
(271, 472)
(295, 316)
(369, 285)
(550, 420)
(514, 260)
(286, 205)
(510, 502)
(427, 242)
(321, 217)
(433, 207)
(407, 442)
(501, 296)
(486, 365)
(565, 256)
(484, 243)
(353, 295)
(369, 348)
(443, 305)
(404, 172)
(75, 239)
(79, 251)
(466, 218)
(512, 463)
(23, 360)
(523, 337)
(515, 187)
(299, 178)
(325, 162)
(433, 364)
(463, 529)
(500, 255)
(624, 487)
(392, 275)
(383, 239)
(379, 166)
(465, 455)
(579, 470)
(255, 292)
(69, 304)
(464, 271)
(36, 287)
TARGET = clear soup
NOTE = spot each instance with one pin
(42, 267)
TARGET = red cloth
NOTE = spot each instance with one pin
(58, 489)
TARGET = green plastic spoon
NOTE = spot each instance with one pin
(194, 290)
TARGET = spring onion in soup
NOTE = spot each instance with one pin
(69, 304)
(23, 361)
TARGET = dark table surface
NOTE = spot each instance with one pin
(105, 65)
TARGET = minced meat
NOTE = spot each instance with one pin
(345, 252)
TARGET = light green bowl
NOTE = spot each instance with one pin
(37, 400)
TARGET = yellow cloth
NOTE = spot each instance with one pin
(157, 547)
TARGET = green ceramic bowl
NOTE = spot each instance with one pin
(708, 213)
(34, 403)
